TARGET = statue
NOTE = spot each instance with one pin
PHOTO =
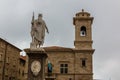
(38, 31)
(49, 68)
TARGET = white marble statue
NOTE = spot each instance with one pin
(38, 31)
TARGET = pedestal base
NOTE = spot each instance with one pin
(39, 55)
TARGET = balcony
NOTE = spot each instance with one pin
(50, 76)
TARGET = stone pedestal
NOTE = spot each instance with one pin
(36, 63)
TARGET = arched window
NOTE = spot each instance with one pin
(83, 31)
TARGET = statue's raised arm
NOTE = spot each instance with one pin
(38, 31)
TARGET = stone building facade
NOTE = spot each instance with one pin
(9, 61)
(73, 63)
(22, 68)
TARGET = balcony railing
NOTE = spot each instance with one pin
(50, 76)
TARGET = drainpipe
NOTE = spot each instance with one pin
(4, 62)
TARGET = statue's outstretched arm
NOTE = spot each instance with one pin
(46, 28)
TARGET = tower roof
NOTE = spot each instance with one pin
(82, 16)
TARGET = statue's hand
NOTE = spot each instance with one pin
(47, 31)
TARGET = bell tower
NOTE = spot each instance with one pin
(83, 30)
(83, 46)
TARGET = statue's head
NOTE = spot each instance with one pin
(40, 15)
(48, 61)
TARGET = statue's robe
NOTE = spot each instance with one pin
(39, 31)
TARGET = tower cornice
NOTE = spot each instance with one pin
(82, 18)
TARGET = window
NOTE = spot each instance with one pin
(6, 71)
(2, 44)
(83, 31)
(7, 60)
(83, 62)
(70, 78)
(14, 63)
(19, 71)
(0, 70)
(63, 68)
(0, 57)
(22, 73)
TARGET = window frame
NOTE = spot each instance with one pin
(83, 30)
(83, 62)
(64, 68)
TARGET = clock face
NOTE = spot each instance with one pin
(35, 67)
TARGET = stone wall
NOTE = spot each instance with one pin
(9, 60)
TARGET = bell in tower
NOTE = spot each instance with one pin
(83, 31)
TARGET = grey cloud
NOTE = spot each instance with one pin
(15, 19)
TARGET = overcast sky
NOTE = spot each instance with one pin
(15, 25)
